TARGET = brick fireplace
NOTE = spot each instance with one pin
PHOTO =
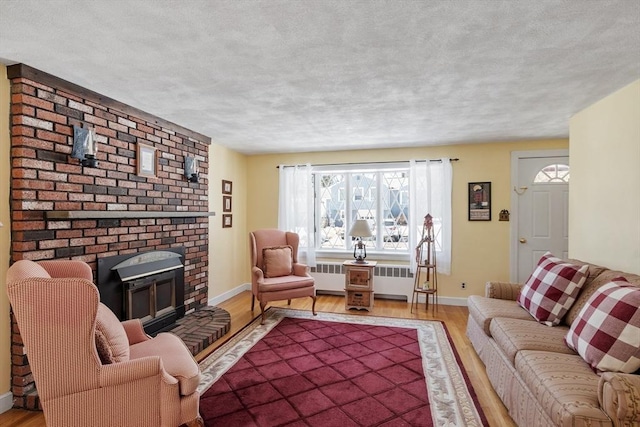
(62, 210)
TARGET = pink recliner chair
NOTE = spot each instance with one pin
(275, 272)
(89, 368)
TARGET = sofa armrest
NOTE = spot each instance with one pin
(135, 331)
(619, 396)
(502, 290)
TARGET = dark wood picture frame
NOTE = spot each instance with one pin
(479, 201)
(226, 203)
(227, 221)
(227, 187)
(146, 160)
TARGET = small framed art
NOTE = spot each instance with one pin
(226, 203)
(226, 221)
(479, 201)
(147, 160)
(227, 187)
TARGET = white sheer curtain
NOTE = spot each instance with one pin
(295, 209)
(430, 192)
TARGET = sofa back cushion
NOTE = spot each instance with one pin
(551, 289)
(606, 333)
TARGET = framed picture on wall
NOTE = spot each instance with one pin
(479, 201)
(226, 221)
(226, 203)
(147, 160)
(226, 187)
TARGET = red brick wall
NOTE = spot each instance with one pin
(45, 178)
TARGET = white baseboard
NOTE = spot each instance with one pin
(247, 287)
(443, 300)
(229, 294)
(6, 402)
(452, 301)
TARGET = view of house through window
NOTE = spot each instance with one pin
(381, 197)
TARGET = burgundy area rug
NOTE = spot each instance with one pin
(337, 370)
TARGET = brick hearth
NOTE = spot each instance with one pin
(202, 328)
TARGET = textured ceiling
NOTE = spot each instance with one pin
(316, 75)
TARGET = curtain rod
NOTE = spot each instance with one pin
(368, 163)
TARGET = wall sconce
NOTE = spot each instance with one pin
(359, 230)
(191, 168)
(85, 147)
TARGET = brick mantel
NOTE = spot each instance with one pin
(63, 210)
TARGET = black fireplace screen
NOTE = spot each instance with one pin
(147, 286)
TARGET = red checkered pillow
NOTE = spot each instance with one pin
(552, 289)
(606, 332)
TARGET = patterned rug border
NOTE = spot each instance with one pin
(453, 399)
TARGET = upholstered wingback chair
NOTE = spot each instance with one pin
(89, 368)
(275, 272)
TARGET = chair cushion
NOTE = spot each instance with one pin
(277, 260)
(176, 359)
(111, 333)
(551, 289)
(606, 332)
(286, 283)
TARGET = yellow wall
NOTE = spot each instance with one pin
(5, 236)
(228, 248)
(480, 249)
(604, 192)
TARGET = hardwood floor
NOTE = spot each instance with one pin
(454, 317)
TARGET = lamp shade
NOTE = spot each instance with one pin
(360, 228)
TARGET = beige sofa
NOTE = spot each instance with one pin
(539, 378)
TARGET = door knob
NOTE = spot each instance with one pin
(523, 240)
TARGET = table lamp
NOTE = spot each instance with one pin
(359, 230)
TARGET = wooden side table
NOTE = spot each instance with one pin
(358, 285)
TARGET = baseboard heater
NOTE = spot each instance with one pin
(375, 295)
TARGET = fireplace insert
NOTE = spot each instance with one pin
(145, 285)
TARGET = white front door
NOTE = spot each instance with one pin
(540, 202)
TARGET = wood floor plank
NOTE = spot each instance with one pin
(454, 317)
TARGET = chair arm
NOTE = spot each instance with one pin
(132, 370)
(502, 290)
(619, 397)
(257, 274)
(300, 269)
(135, 331)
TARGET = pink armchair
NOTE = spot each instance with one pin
(90, 369)
(275, 272)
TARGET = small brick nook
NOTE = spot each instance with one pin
(63, 210)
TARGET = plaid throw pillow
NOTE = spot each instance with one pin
(606, 333)
(552, 288)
